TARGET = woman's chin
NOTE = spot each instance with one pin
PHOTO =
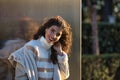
(50, 42)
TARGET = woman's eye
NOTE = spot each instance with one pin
(58, 34)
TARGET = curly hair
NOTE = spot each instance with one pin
(65, 39)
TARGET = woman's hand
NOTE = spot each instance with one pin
(58, 48)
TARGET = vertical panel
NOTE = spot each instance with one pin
(11, 10)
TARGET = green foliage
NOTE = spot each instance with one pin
(101, 67)
(108, 35)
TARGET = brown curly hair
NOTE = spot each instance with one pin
(66, 37)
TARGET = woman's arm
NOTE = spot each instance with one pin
(17, 59)
(62, 60)
(63, 65)
(20, 72)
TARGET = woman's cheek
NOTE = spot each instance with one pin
(57, 40)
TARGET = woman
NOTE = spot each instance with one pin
(45, 57)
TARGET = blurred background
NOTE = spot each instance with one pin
(19, 16)
(100, 39)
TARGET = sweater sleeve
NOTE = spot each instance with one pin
(63, 65)
(20, 74)
(25, 66)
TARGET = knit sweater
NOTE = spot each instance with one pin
(44, 64)
(35, 62)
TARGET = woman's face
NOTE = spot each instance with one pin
(53, 34)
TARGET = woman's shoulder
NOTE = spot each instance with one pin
(31, 43)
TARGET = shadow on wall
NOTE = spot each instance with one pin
(23, 31)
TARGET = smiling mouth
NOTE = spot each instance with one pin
(51, 40)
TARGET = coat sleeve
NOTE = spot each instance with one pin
(63, 65)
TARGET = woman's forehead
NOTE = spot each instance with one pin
(56, 27)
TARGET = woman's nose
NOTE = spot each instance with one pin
(54, 36)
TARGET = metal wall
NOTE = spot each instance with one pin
(11, 10)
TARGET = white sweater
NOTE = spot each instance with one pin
(29, 60)
(44, 64)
